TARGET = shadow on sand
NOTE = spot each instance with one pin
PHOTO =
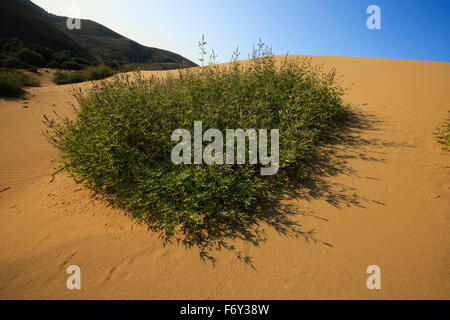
(331, 159)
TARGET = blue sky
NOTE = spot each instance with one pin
(410, 29)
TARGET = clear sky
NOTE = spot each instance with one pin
(410, 29)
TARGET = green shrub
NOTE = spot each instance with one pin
(120, 143)
(114, 65)
(15, 63)
(12, 82)
(47, 53)
(71, 65)
(69, 77)
(90, 73)
(31, 57)
(8, 87)
(99, 72)
(128, 67)
(443, 134)
(81, 61)
(11, 44)
(61, 57)
(65, 55)
(54, 64)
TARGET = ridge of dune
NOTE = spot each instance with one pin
(382, 197)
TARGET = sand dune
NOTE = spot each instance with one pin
(381, 196)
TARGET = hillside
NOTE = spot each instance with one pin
(27, 23)
(105, 44)
(24, 20)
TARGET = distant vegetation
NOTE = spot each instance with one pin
(443, 134)
(120, 145)
(13, 81)
(31, 38)
(95, 72)
(90, 73)
(15, 54)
